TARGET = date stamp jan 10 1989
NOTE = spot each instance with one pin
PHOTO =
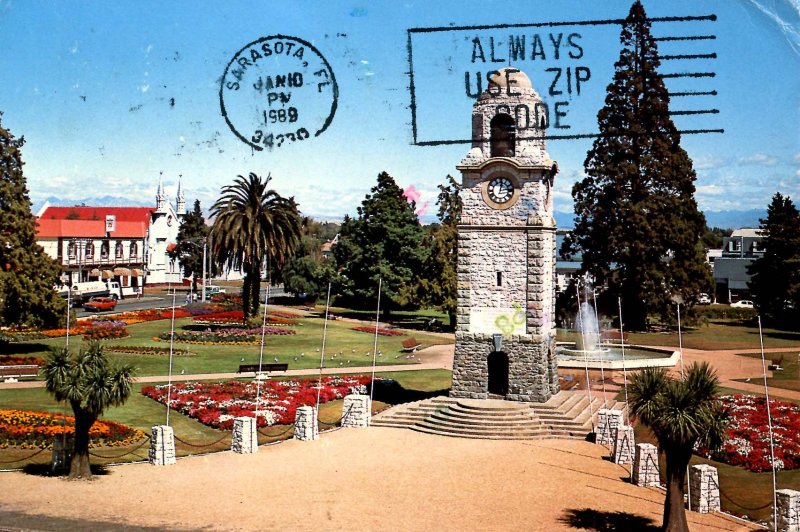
(277, 90)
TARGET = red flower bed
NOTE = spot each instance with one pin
(216, 404)
(282, 314)
(748, 434)
(139, 316)
(12, 360)
(105, 330)
(382, 332)
(23, 428)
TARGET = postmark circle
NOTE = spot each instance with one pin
(278, 90)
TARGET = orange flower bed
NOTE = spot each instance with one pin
(28, 429)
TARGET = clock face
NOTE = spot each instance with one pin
(500, 190)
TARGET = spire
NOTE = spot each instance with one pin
(180, 202)
(160, 197)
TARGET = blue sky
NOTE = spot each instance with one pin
(110, 94)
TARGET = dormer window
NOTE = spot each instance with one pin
(503, 136)
(104, 250)
(118, 250)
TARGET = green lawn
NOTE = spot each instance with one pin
(789, 377)
(344, 348)
(717, 335)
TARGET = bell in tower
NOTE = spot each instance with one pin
(505, 336)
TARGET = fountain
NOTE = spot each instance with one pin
(589, 349)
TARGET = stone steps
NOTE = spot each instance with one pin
(565, 415)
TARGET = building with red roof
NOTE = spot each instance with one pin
(129, 245)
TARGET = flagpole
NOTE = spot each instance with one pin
(322, 355)
(375, 350)
(624, 369)
(585, 358)
(261, 352)
(769, 422)
(171, 342)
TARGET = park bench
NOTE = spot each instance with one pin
(775, 364)
(410, 345)
(254, 368)
(19, 371)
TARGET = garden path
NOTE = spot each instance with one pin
(357, 479)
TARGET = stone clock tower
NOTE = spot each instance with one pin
(505, 337)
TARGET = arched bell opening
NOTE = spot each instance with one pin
(503, 136)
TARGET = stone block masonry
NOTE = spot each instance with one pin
(788, 510)
(305, 424)
(532, 369)
(356, 411)
(623, 445)
(704, 482)
(608, 420)
(244, 438)
(645, 466)
(162, 445)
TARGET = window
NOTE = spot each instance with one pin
(104, 250)
(89, 251)
(503, 136)
(118, 251)
(134, 250)
(71, 250)
(499, 278)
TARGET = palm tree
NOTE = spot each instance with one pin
(90, 384)
(251, 223)
(681, 414)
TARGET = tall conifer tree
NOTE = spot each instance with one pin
(27, 273)
(637, 223)
(776, 274)
(192, 234)
(384, 241)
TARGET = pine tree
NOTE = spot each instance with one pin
(776, 274)
(192, 235)
(27, 273)
(637, 223)
(384, 242)
(437, 283)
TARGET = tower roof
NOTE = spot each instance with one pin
(514, 74)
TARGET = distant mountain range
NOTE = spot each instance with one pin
(723, 219)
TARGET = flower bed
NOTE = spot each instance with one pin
(140, 316)
(236, 317)
(216, 404)
(382, 332)
(12, 360)
(224, 336)
(27, 429)
(105, 330)
(282, 314)
(748, 434)
(157, 351)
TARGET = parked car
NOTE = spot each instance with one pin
(703, 299)
(97, 304)
(744, 303)
(213, 289)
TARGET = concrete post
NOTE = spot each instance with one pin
(607, 422)
(305, 424)
(645, 466)
(623, 445)
(162, 445)
(244, 439)
(356, 411)
(704, 481)
(788, 510)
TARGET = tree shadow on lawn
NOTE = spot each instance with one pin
(392, 392)
(23, 348)
(590, 519)
(793, 336)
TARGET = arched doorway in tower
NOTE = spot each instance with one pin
(498, 373)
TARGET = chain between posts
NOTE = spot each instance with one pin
(202, 445)
(22, 459)
(146, 439)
